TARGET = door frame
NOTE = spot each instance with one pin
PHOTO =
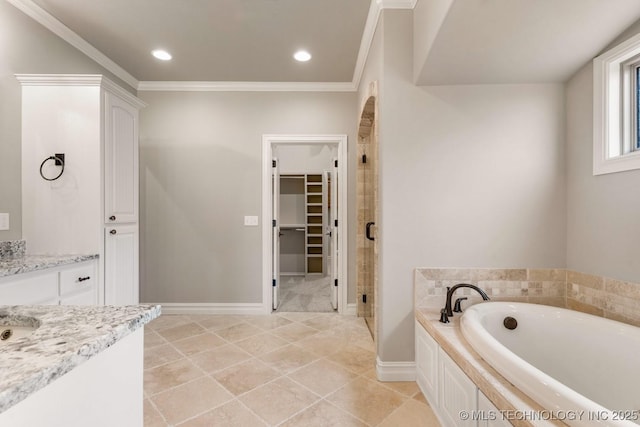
(268, 142)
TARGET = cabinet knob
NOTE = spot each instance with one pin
(112, 218)
(113, 232)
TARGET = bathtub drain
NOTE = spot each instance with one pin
(6, 334)
(510, 323)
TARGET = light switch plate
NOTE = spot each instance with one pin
(4, 221)
(251, 220)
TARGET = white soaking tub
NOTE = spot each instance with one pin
(584, 369)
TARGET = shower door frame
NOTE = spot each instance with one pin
(268, 142)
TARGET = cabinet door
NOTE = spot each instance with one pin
(121, 265)
(427, 365)
(457, 393)
(121, 161)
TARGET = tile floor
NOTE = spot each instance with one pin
(285, 369)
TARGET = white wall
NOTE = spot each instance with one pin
(200, 159)
(470, 176)
(603, 230)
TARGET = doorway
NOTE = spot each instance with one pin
(367, 202)
(304, 217)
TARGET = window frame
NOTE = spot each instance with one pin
(615, 112)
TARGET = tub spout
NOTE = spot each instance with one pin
(447, 311)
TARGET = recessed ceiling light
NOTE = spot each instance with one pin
(161, 54)
(302, 56)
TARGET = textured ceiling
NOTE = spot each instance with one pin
(222, 40)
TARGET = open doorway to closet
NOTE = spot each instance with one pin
(304, 217)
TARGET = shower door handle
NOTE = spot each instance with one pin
(368, 230)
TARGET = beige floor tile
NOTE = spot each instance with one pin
(323, 344)
(322, 323)
(412, 413)
(217, 321)
(354, 358)
(180, 332)
(168, 321)
(367, 400)
(152, 339)
(407, 388)
(420, 397)
(232, 414)
(268, 321)
(323, 377)
(278, 400)
(152, 417)
(238, 332)
(288, 359)
(170, 375)
(261, 344)
(161, 355)
(199, 343)
(324, 414)
(298, 316)
(219, 358)
(294, 332)
(190, 399)
(246, 376)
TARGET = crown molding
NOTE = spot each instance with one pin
(97, 80)
(191, 86)
(44, 18)
(370, 29)
(54, 25)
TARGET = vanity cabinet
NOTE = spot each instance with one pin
(94, 123)
(74, 284)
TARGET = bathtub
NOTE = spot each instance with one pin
(583, 369)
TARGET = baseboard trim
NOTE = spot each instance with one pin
(395, 371)
(213, 308)
(351, 309)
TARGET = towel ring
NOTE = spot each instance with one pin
(57, 159)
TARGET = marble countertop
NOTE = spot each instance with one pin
(504, 395)
(66, 337)
(28, 263)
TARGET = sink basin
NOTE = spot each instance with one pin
(13, 328)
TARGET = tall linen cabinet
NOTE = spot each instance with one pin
(93, 206)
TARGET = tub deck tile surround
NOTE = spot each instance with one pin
(66, 337)
(497, 389)
(29, 263)
(601, 296)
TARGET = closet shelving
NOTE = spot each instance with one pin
(303, 201)
(315, 197)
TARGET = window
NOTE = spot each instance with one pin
(616, 114)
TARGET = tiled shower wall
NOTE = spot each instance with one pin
(597, 295)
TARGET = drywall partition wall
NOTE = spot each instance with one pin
(603, 210)
(200, 159)
(470, 176)
(27, 47)
(308, 158)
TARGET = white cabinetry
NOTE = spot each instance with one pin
(94, 123)
(427, 364)
(74, 284)
(457, 393)
(121, 247)
(449, 390)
